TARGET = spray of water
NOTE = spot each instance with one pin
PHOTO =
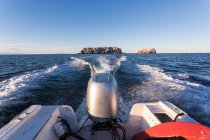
(16, 86)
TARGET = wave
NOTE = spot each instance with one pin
(17, 85)
(78, 62)
(162, 81)
(181, 76)
(107, 63)
(191, 97)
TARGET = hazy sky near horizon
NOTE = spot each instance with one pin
(66, 26)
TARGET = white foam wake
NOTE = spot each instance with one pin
(109, 63)
(15, 86)
(80, 63)
(159, 85)
(100, 64)
(163, 82)
(77, 62)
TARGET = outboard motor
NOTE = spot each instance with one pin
(102, 98)
(102, 103)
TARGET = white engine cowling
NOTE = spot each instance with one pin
(102, 97)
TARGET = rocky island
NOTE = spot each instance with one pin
(147, 51)
(101, 50)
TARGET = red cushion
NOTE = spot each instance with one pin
(187, 130)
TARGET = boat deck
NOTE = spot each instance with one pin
(37, 121)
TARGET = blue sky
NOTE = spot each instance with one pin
(66, 26)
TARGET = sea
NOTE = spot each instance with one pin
(182, 79)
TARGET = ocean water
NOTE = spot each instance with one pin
(183, 79)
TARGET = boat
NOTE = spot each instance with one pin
(147, 121)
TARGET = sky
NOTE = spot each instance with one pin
(66, 26)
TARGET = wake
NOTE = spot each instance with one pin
(101, 64)
(18, 86)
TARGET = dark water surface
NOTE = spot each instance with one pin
(183, 79)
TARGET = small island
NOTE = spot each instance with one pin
(101, 50)
(147, 51)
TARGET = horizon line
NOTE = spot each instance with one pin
(102, 54)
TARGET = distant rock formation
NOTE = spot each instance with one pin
(101, 50)
(147, 51)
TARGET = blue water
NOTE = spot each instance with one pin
(183, 79)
